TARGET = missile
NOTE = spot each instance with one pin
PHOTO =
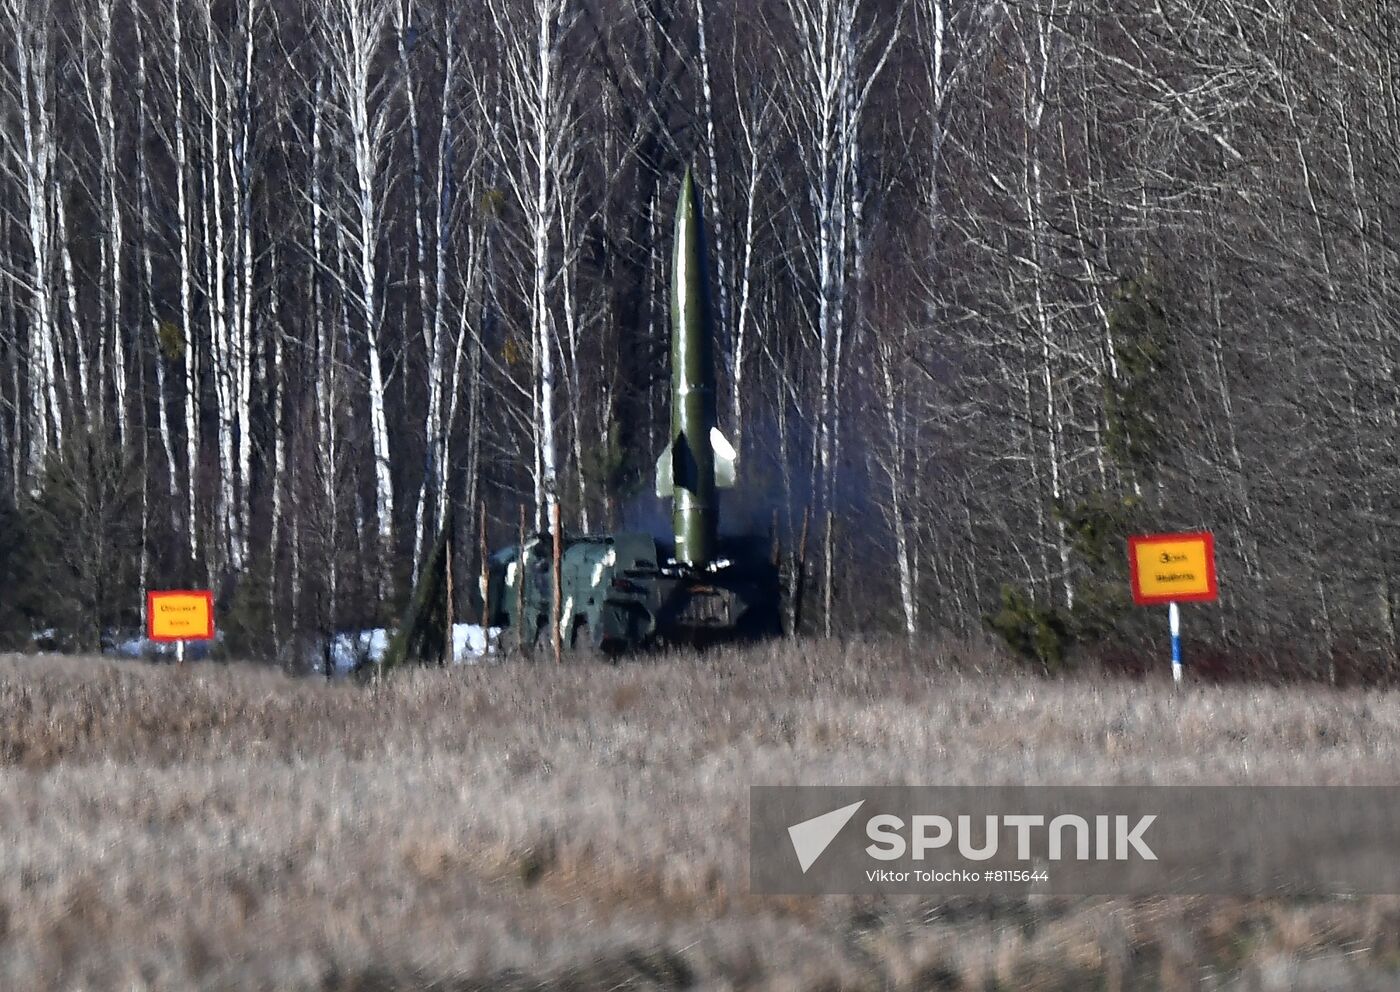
(698, 461)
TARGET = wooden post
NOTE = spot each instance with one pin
(799, 573)
(520, 584)
(449, 647)
(485, 574)
(556, 590)
(828, 556)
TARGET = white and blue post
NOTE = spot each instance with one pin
(1174, 618)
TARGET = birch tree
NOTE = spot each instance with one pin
(828, 79)
(99, 81)
(32, 153)
(971, 260)
(355, 34)
(533, 150)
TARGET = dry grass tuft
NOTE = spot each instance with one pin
(525, 826)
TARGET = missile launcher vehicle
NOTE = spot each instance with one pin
(631, 590)
(624, 591)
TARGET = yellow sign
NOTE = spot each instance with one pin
(184, 615)
(1172, 568)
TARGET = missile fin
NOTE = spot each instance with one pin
(726, 460)
(665, 477)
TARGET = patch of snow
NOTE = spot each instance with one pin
(471, 640)
(350, 649)
(144, 647)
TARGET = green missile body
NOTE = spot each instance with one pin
(698, 461)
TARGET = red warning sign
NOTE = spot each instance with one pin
(180, 615)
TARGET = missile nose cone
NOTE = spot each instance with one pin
(688, 203)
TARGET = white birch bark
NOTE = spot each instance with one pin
(545, 60)
(97, 34)
(32, 154)
(245, 342)
(13, 454)
(537, 99)
(573, 340)
(441, 427)
(1038, 66)
(714, 209)
(327, 396)
(754, 127)
(830, 77)
(898, 480)
(80, 398)
(404, 23)
(148, 236)
(227, 553)
(116, 329)
(184, 222)
(355, 37)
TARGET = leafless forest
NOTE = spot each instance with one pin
(527, 827)
(998, 283)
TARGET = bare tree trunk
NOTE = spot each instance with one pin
(148, 236)
(428, 320)
(187, 276)
(355, 37)
(1037, 76)
(33, 155)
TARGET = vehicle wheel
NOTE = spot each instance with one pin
(582, 641)
(588, 646)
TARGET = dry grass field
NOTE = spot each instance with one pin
(522, 826)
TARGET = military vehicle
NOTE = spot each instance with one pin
(620, 592)
(629, 590)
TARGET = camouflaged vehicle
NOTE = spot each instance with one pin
(621, 592)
